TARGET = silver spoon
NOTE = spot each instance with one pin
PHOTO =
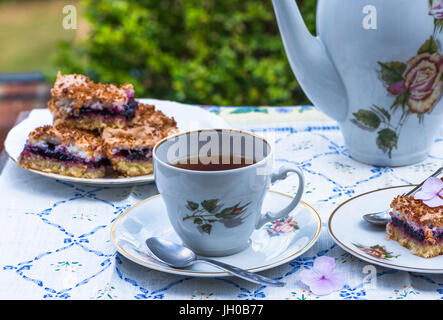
(178, 256)
(383, 217)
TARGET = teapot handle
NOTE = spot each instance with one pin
(311, 62)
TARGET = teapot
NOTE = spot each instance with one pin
(375, 67)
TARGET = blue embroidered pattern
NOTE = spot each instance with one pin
(106, 274)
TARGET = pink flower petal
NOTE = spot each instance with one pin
(337, 279)
(324, 265)
(421, 195)
(325, 285)
(434, 202)
(432, 185)
(397, 88)
(322, 279)
(322, 287)
(309, 277)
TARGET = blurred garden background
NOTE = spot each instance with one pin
(207, 52)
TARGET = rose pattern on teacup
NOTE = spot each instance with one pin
(416, 87)
(207, 212)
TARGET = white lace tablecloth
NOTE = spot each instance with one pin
(55, 236)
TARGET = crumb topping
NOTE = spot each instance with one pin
(417, 211)
(78, 90)
(149, 127)
(80, 139)
(132, 138)
(148, 116)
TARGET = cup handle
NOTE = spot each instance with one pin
(281, 175)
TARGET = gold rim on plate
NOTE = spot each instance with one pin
(156, 266)
(363, 257)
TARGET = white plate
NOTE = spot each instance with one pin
(350, 231)
(187, 117)
(266, 250)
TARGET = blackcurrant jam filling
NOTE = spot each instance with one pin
(417, 234)
(60, 155)
(128, 111)
(134, 154)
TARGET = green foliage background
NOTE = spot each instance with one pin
(196, 51)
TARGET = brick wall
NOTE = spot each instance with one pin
(18, 97)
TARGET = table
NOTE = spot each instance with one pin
(55, 236)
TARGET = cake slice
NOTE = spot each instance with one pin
(65, 151)
(416, 226)
(78, 102)
(130, 150)
(149, 116)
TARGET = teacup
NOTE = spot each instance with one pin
(215, 212)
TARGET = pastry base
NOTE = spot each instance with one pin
(132, 168)
(91, 123)
(418, 248)
(39, 163)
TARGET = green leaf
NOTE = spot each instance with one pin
(198, 221)
(192, 205)
(401, 100)
(392, 72)
(368, 118)
(382, 112)
(225, 213)
(209, 205)
(430, 46)
(387, 140)
(206, 228)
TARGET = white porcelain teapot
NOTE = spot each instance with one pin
(376, 67)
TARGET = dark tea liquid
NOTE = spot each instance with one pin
(214, 163)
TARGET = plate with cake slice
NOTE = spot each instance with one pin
(99, 134)
(411, 241)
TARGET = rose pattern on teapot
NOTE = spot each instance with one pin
(436, 10)
(415, 85)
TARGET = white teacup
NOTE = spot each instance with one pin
(215, 212)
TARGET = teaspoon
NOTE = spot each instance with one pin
(178, 256)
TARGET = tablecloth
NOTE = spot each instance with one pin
(55, 236)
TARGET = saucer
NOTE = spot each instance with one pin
(368, 242)
(274, 244)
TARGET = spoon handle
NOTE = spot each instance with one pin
(241, 273)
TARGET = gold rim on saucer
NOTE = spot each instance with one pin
(292, 256)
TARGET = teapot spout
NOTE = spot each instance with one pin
(310, 62)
